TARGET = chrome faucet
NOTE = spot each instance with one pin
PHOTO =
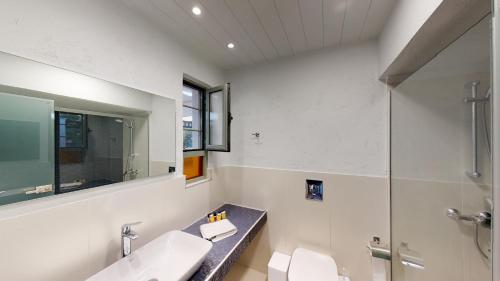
(127, 236)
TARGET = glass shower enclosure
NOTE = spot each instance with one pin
(441, 171)
(26, 148)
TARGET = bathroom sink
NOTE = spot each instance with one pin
(175, 255)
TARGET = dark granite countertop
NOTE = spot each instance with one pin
(226, 252)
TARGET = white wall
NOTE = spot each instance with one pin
(73, 236)
(322, 112)
(69, 237)
(405, 20)
(323, 116)
(103, 39)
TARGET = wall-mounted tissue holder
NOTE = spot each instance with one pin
(379, 250)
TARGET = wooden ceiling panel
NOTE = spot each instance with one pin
(312, 19)
(289, 14)
(263, 30)
(244, 13)
(268, 17)
(224, 16)
(334, 15)
(355, 19)
(214, 29)
(380, 10)
(185, 27)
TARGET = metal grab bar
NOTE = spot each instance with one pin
(410, 258)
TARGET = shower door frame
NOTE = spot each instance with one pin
(496, 138)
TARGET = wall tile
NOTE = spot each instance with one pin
(47, 245)
(354, 209)
(75, 240)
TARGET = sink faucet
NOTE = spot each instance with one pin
(127, 236)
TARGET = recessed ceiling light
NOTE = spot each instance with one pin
(230, 45)
(196, 10)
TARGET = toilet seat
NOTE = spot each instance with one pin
(307, 265)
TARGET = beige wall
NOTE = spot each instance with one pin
(72, 237)
(325, 112)
(355, 208)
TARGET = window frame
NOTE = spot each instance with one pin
(205, 130)
(201, 110)
(225, 89)
(198, 151)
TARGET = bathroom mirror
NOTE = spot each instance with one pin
(62, 131)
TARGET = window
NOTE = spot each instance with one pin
(206, 121)
(71, 136)
(72, 133)
(192, 109)
(192, 124)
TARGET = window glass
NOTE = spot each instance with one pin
(191, 119)
(219, 118)
(192, 140)
(71, 130)
(216, 118)
(191, 97)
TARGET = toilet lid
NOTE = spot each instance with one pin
(308, 265)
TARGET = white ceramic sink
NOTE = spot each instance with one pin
(175, 255)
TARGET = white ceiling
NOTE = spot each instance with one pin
(263, 30)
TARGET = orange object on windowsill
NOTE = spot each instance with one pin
(193, 167)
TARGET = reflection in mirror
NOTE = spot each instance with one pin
(72, 132)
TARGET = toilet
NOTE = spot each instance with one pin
(306, 265)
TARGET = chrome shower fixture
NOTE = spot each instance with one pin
(482, 219)
(473, 100)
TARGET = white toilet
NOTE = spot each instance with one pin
(307, 265)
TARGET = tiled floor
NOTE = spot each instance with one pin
(242, 273)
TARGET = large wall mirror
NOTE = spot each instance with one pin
(62, 131)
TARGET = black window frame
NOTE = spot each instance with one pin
(202, 92)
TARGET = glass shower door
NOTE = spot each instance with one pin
(26, 148)
(440, 165)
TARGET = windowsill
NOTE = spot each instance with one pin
(197, 182)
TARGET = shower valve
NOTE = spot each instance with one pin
(482, 218)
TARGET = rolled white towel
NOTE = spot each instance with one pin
(217, 231)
